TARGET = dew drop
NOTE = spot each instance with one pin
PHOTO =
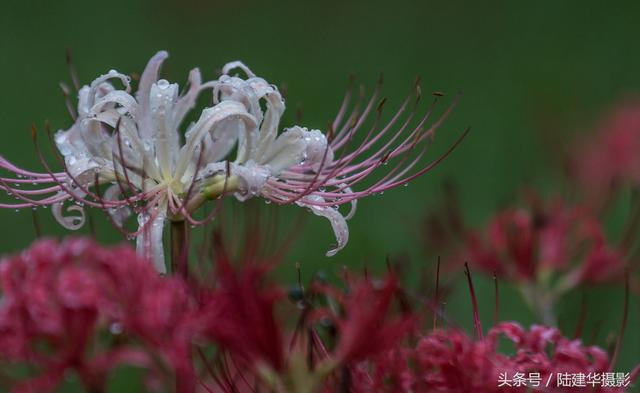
(115, 328)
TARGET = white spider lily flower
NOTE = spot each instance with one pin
(133, 144)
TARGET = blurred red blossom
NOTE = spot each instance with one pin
(543, 238)
(368, 327)
(610, 157)
(55, 297)
(449, 361)
(238, 314)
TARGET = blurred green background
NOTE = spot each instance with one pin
(531, 76)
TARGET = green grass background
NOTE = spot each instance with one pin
(532, 75)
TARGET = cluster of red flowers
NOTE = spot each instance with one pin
(58, 300)
(76, 307)
(451, 361)
(549, 245)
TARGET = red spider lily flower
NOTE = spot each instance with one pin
(610, 156)
(368, 327)
(238, 314)
(55, 298)
(449, 361)
(132, 144)
(528, 244)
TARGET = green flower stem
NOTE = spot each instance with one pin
(179, 248)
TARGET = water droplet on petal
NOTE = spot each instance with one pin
(115, 328)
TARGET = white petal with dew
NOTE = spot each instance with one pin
(188, 100)
(317, 149)
(147, 79)
(219, 143)
(165, 139)
(287, 150)
(70, 142)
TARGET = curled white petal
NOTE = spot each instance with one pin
(71, 222)
(354, 203)
(147, 79)
(188, 100)
(117, 97)
(338, 222)
(149, 241)
(237, 64)
(83, 169)
(221, 115)
(100, 87)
